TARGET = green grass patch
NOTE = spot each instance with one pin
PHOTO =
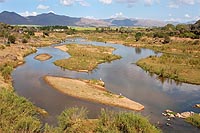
(17, 114)
(178, 67)
(194, 120)
(74, 120)
(86, 57)
(124, 122)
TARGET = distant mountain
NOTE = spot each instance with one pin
(54, 19)
(135, 22)
(12, 18)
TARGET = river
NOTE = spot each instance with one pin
(120, 76)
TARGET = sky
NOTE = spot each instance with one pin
(165, 10)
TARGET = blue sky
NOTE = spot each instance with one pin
(170, 10)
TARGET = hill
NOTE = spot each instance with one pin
(54, 19)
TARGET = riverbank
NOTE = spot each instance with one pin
(85, 58)
(17, 113)
(173, 67)
(85, 90)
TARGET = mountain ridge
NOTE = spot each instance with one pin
(54, 19)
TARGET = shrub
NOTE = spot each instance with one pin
(45, 33)
(17, 114)
(166, 39)
(194, 120)
(138, 36)
(11, 39)
(24, 40)
(2, 47)
(70, 117)
(124, 122)
(6, 71)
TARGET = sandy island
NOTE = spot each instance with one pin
(43, 57)
(85, 90)
(62, 47)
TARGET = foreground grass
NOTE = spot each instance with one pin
(194, 120)
(75, 120)
(180, 68)
(17, 114)
(86, 57)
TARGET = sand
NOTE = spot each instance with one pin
(84, 90)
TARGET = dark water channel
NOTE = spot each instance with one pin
(120, 76)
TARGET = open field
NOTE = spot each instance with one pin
(91, 92)
(85, 57)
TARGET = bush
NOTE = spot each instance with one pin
(138, 36)
(17, 114)
(70, 117)
(166, 39)
(6, 71)
(2, 47)
(194, 120)
(24, 40)
(124, 123)
(45, 33)
(11, 39)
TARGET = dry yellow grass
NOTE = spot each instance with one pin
(84, 90)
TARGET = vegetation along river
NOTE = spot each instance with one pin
(120, 76)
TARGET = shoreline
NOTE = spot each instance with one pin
(83, 90)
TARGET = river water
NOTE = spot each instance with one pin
(120, 76)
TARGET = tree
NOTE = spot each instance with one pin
(138, 36)
(166, 39)
(11, 39)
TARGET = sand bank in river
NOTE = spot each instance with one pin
(85, 90)
(43, 57)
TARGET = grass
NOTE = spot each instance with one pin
(194, 120)
(180, 68)
(124, 122)
(74, 120)
(86, 57)
(17, 114)
(96, 82)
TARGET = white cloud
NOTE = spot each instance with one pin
(178, 3)
(27, 13)
(118, 15)
(106, 1)
(150, 2)
(42, 7)
(130, 3)
(90, 17)
(71, 2)
(83, 3)
(174, 20)
(67, 2)
(187, 16)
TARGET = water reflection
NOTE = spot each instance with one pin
(138, 50)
